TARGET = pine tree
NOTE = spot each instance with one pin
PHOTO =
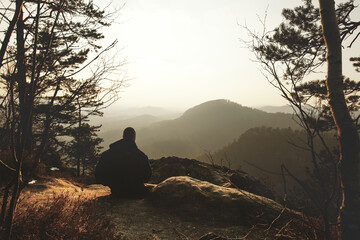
(57, 39)
(288, 54)
(84, 149)
(46, 44)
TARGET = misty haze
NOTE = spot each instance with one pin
(169, 119)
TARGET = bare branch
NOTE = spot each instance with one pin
(12, 24)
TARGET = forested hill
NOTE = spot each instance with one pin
(261, 151)
(266, 148)
(206, 127)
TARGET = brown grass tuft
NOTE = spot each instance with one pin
(61, 217)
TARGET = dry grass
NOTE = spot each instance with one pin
(61, 217)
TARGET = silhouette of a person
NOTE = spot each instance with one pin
(124, 168)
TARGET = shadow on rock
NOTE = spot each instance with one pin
(219, 175)
(197, 200)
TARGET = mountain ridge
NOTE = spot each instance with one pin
(207, 126)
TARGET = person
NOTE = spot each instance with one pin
(124, 168)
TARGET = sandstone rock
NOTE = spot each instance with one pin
(219, 175)
(174, 166)
(204, 201)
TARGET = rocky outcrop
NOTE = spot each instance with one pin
(177, 208)
(201, 200)
(174, 166)
(219, 175)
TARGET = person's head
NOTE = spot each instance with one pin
(129, 134)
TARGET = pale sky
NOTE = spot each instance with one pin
(185, 52)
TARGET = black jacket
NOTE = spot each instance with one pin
(123, 165)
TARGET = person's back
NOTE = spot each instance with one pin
(124, 168)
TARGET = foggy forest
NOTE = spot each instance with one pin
(75, 165)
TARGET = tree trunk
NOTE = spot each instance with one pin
(13, 201)
(18, 153)
(6, 40)
(78, 140)
(348, 137)
(24, 127)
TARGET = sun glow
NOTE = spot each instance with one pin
(181, 53)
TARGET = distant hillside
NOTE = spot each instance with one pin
(114, 128)
(206, 127)
(260, 151)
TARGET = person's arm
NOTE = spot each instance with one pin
(146, 167)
